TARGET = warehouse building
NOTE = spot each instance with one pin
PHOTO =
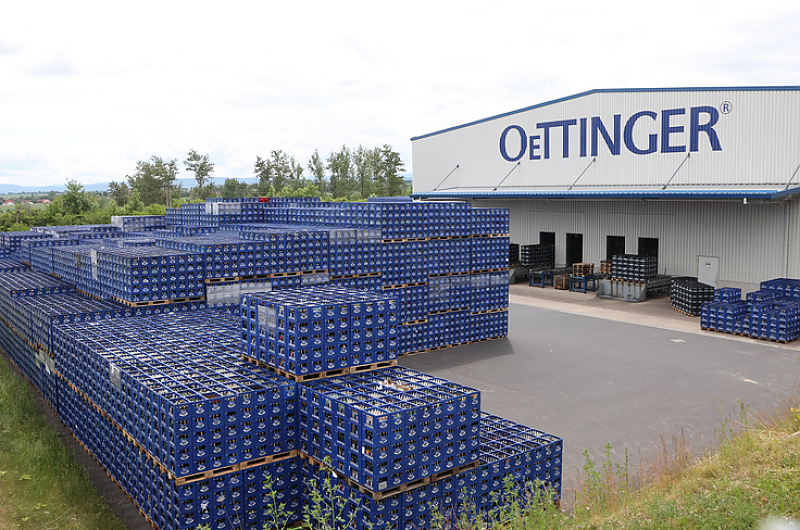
(704, 178)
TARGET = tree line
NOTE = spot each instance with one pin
(347, 174)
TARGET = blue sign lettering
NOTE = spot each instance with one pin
(591, 129)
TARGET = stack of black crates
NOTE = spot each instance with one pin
(540, 255)
(633, 268)
(688, 295)
(220, 357)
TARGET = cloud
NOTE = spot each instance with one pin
(6, 48)
(59, 67)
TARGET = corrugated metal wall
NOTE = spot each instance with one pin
(754, 242)
(757, 131)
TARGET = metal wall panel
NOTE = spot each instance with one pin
(750, 239)
(758, 133)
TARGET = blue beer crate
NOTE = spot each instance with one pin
(727, 295)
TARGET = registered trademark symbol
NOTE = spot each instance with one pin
(726, 107)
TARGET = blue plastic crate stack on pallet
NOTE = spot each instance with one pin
(190, 431)
(288, 249)
(13, 240)
(190, 214)
(308, 332)
(771, 313)
(723, 316)
(788, 287)
(28, 246)
(12, 265)
(400, 441)
(16, 337)
(149, 275)
(47, 311)
(390, 427)
(75, 265)
(223, 256)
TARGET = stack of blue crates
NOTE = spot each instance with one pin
(722, 316)
(790, 288)
(13, 240)
(146, 274)
(190, 403)
(318, 329)
(727, 295)
(240, 499)
(161, 396)
(41, 314)
(508, 449)
(12, 265)
(389, 427)
(289, 249)
(771, 313)
(28, 246)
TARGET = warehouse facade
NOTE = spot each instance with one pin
(704, 178)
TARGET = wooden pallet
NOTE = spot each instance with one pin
(361, 275)
(298, 378)
(414, 352)
(404, 285)
(414, 322)
(158, 302)
(445, 274)
(301, 378)
(489, 311)
(405, 239)
(84, 293)
(445, 311)
(684, 312)
(487, 271)
(372, 366)
(402, 488)
(221, 280)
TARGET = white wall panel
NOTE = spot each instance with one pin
(758, 139)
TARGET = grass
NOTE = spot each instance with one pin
(42, 486)
(752, 478)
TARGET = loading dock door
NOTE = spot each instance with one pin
(615, 246)
(574, 249)
(648, 246)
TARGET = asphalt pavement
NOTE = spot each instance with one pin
(629, 375)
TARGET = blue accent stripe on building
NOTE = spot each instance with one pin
(614, 194)
(614, 91)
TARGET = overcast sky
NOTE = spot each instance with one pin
(89, 88)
